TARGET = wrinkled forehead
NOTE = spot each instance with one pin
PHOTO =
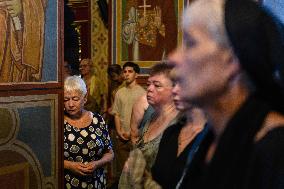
(73, 92)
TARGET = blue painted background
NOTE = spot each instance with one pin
(35, 131)
(49, 72)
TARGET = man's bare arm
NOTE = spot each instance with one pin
(138, 110)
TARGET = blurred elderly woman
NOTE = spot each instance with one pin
(231, 66)
(95, 99)
(87, 145)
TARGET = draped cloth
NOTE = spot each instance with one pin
(228, 168)
(239, 162)
(21, 49)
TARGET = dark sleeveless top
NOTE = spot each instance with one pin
(239, 162)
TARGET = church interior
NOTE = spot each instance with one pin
(42, 43)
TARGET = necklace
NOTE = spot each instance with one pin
(157, 124)
(190, 134)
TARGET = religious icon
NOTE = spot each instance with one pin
(21, 41)
(149, 29)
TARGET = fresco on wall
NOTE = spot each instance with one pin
(145, 31)
(149, 29)
(28, 30)
(29, 147)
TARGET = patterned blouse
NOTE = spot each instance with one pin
(150, 148)
(85, 145)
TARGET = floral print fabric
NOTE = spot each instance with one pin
(85, 145)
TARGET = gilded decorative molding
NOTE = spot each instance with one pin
(77, 1)
(99, 46)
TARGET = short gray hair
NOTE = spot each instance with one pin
(75, 83)
(210, 15)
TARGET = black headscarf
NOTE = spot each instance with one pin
(257, 39)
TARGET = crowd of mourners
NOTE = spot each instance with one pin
(211, 115)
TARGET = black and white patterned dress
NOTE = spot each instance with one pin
(85, 145)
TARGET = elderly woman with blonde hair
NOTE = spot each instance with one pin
(95, 101)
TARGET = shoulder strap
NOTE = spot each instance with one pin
(147, 116)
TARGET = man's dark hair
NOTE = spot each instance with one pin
(114, 68)
(135, 67)
(161, 68)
